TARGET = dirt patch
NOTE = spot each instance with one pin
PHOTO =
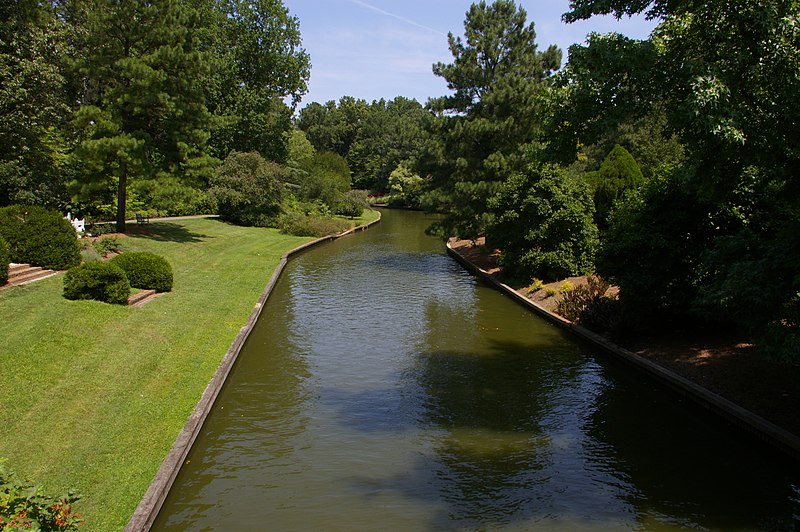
(725, 364)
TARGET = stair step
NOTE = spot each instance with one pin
(139, 298)
(19, 274)
(14, 266)
(22, 270)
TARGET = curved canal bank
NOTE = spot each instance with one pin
(384, 387)
(153, 499)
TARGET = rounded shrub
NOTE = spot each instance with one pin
(40, 237)
(248, 190)
(5, 259)
(101, 281)
(145, 270)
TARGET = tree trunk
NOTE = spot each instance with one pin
(122, 198)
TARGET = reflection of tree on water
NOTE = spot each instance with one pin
(700, 472)
(504, 409)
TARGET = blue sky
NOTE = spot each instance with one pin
(374, 49)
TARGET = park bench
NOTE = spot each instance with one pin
(142, 218)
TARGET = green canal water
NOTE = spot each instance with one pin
(384, 388)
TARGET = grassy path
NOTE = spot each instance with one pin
(93, 395)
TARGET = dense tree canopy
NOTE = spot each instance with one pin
(374, 138)
(102, 95)
(33, 104)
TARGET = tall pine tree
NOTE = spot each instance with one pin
(142, 110)
(491, 115)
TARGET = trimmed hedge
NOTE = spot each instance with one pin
(39, 237)
(5, 259)
(145, 270)
(101, 281)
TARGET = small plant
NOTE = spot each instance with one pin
(24, 506)
(566, 287)
(145, 270)
(98, 229)
(5, 259)
(550, 291)
(101, 281)
(109, 244)
(576, 300)
(91, 255)
(536, 285)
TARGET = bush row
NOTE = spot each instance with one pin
(111, 281)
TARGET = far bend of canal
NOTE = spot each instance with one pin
(384, 388)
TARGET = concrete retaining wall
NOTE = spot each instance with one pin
(156, 494)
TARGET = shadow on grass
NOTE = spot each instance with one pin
(166, 232)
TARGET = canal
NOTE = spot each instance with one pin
(385, 388)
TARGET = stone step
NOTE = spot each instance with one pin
(25, 273)
(140, 298)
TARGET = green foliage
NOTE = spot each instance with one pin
(301, 152)
(575, 301)
(566, 287)
(333, 127)
(328, 178)
(146, 112)
(480, 131)
(24, 506)
(405, 186)
(782, 337)
(653, 249)
(145, 270)
(168, 196)
(392, 134)
(352, 204)
(544, 224)
(100, 281)
(535, 286)
(618, 174)
(109, 244)
(5, 259)
(39, 237)
(33, 50)
(607, 83)
(248, 190)
(299, 224)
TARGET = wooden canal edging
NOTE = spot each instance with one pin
(765, 430)
(148, 508)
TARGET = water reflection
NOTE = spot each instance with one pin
(385, 388)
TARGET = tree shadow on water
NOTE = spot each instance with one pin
(167, 232)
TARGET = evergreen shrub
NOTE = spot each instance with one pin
(39, 237)
(101, 281)
(145, 270)
(5, 259)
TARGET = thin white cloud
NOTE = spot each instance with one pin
(398, 17)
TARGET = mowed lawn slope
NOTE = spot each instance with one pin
(93, 395)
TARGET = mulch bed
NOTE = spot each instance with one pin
(722, 363)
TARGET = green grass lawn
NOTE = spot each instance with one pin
(93, 395)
